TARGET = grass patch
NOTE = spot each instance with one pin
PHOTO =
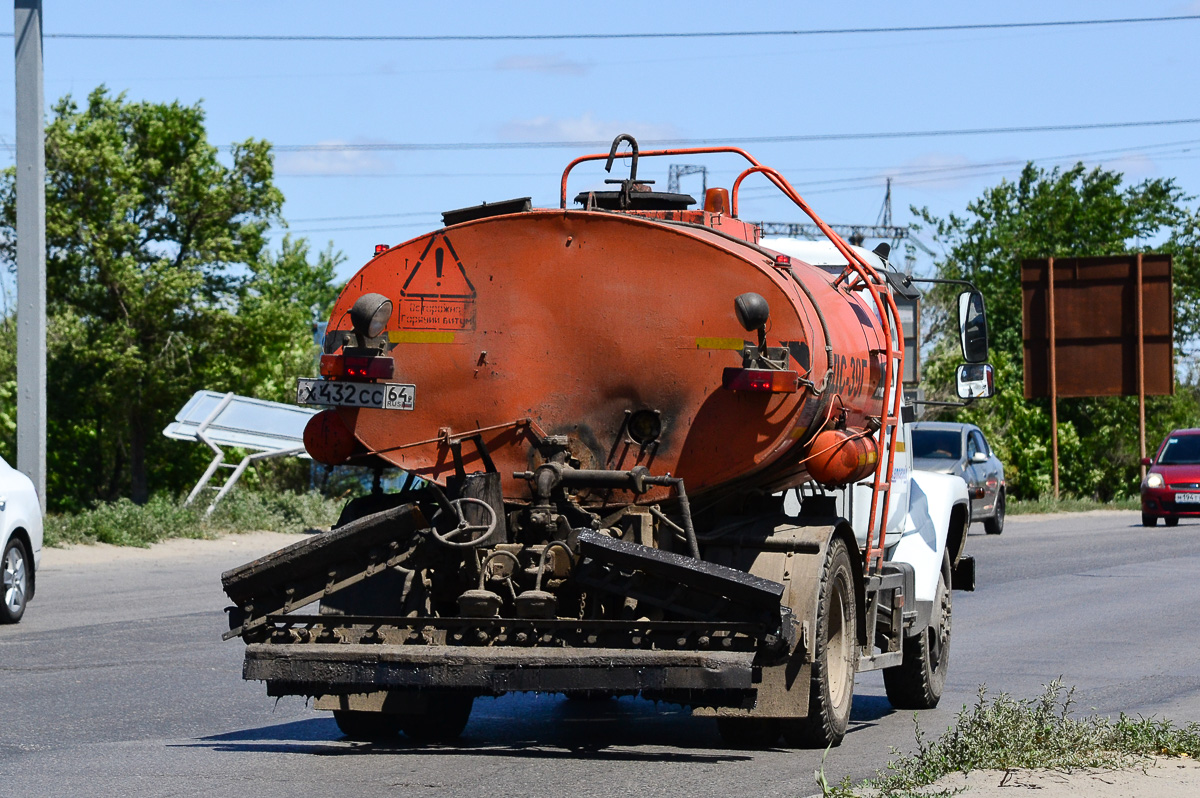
(1068, 505)
(1004, 733)
(123, 523)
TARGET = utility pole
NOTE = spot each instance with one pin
(31, 247)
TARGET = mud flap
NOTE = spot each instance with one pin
(778, 549)
(962, 575)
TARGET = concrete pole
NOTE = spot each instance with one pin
(31, 247)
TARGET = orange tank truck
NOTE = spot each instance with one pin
(596, 410)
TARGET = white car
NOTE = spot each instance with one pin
(21, 537)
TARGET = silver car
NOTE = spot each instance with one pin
(20, 541)
(961, 449)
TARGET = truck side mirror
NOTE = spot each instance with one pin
(975, 381)
(972, 327)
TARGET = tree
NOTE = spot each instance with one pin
(154, 249)
(1062, 213)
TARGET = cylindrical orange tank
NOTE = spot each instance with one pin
(841, 457)
(571, 322)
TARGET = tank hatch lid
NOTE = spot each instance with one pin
(638, 200)
(486, 209)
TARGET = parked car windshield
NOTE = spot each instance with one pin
(1181, 450)
(944, 444)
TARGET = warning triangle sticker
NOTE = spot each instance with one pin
(439, 274)
(437, 294)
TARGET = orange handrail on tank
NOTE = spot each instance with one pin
(886, 306)
(604, 156)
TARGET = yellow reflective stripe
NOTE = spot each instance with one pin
(720, 343)
(420, 337)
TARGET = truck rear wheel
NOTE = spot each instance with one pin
(917, 683)
(366, 726)
(832, 691)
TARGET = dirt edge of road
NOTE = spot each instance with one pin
(1161, 778)
(255, 544)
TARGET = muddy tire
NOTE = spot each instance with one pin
(995, 524)
(836, 657)
(367, 726)
(755, 733)
(917, 683)
(442, 723)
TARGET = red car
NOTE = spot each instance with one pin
(1171, 489)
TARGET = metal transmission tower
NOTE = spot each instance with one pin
(885, 212)
(883, 228)
(678, 170)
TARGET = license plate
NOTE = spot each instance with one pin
(1187, 498)
(385, 395)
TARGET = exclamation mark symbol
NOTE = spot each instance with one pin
(439, 257)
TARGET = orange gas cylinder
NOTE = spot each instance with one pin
(842, 456)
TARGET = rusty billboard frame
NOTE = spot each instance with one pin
(1098, 326)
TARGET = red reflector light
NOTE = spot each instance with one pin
(381, 248)
(783, 261)
(358, 368)
(764, 380)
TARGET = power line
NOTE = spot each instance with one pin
(910, 177)
(526, 37)
(957, 170)
(731, 140)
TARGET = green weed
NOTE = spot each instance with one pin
(1004, 733)
(1068, 505)
(123, 523)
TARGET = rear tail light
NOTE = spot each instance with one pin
(358, 367)
(764, 380)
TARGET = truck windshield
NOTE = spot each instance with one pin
(1181, 450)
(944, 444)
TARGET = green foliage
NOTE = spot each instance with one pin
(159, 283)
(1048, 504)
(123, 523)
(1002, 733)
(1068, 213)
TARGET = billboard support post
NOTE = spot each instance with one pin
(1053, 384)
(1141, 359)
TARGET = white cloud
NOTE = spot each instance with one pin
(332, 161)
(582, 128)
(936, 170)
(1135, 167)
(556, 64)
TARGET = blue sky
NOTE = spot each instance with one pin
(299, 93)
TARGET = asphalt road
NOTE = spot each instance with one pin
(117, 683)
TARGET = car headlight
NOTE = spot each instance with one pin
(1154, 481)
